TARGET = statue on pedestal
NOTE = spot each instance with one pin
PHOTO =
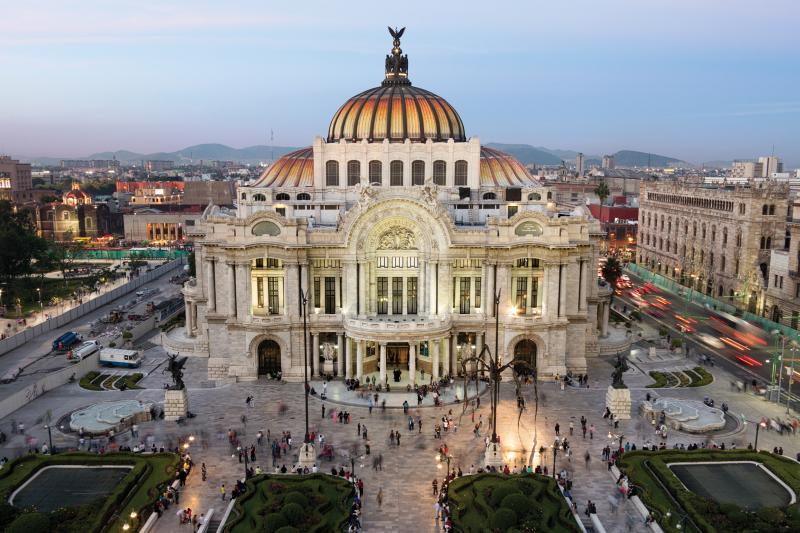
(175, 367)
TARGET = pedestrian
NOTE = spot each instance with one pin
(222, 491)
(397, 437)
(203, 470)
(558, 429)
(380, 496)
(358, 429)
(419, 424)
(437, 507)
(571, 427)
(323, 410)
(591, 432)
(435, 485)
(586, 458)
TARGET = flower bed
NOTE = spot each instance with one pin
(658, 487)
(315, 503)
(135, 492)
(495, 502)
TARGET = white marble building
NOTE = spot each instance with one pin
(398, 229)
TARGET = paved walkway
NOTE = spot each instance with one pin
(408, 469)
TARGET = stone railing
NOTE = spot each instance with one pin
(395, 327)
(175, 341)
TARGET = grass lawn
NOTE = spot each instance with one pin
(663, 379)
(705, 377)
(136, 492)
(495, 502)
(661, 491)
(318, 503)
(130, 381)
(88, 381)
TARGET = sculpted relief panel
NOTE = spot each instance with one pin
(397, 238)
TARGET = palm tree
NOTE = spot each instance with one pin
(602, 191)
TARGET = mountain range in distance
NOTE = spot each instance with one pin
(525, 153)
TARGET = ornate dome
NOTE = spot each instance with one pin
(395, 110)
(295, 169)
(76, 196)
(499, 169)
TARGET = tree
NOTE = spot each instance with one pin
(61, 255)
(612, 271)
(602, 191)
(19, 244)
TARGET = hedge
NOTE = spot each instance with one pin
(706, 377)
(708, 514)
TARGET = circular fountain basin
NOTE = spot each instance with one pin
(686, 415)
(102, 417)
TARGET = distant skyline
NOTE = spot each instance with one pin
(697, 80)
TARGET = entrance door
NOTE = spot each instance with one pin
(397, 355)
(269, 357)
(525, 351)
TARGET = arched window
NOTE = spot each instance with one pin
(764, 209)
(490, 196)
(738, 238)
(304, 196)
(724, 236)
(396, 174)
(375, 172)
(772, 209)
(353, 172)
(418, 173)
(713, 233)
(704, 230)
(439, 172)
(461, 173)
(769, 243)
(281, 196)
(261, 198)
(534, 197)
(763, 243)
(332, 173)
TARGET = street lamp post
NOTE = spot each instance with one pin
(779, 361)
(759, 425)
(793, 353)
(555, 455)
(243, 451)
(307, 457)
(50, 438)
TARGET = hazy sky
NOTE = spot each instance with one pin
(696, 79)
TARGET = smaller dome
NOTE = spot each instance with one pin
(76, 196)
(499, 169)
(295, 169)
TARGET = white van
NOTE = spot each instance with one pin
(118, 357)
(83, 350)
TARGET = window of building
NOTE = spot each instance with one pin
(375, 172)
(383, 295)
(439, 172)
(272, 295)
(534, 291)
(330, 295)
(88, 223)
(396, 173)
(282, 196)
(332, 173)
(397, 295)
(304, 197)
(259, 198)
(512, 210)
(353, 172)
(461, 173)
(742, 209)
(522, 294)
(764, 209)
(463, 296)
(418, 172)
(704, 231)
(317, 294)
(477, 292)
(490, 196)
(260, 292)
(411, 296)
(772, 209)
(722, 264)
(713, 233)
(694, 229)
(724, 236)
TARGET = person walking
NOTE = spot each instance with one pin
(558, 429)
(380, 497)
(591, 432)
(571, 427)
(323, 410)
(222, 491)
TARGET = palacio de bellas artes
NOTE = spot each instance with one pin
(405, 245)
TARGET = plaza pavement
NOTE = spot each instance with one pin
(408, 469)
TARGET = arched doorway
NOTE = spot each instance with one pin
(269, 357)
(525, 350)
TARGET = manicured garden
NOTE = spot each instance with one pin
(495, 502)
(291, 504)
(135, 492)
(662, 492)
(97, 381)
(697, 377)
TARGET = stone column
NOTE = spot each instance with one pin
(489, 294)
(211, 286)
(383, 363)
(434, 346)
(359, 359)
(432, 288)
(583, 280)
(188, 312)
(291, 302)
(339, 355)
(243, 291)
(604, 323)
(231, 289)
(563, 269)
(504, 284)
(446, 357)
(422, 288)
(349, 298)
(412, 362)
(445, 289)
(314, 358)
(348, 360)
(362, 288)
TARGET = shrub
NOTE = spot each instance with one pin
(275, 521)
(112, 344)
(30, 523)
(287, 529)
(294, 513)
(127, 335)
(7, 514)
(677, 343)
(517, 503)
(706, 377)
(499, 493)
(296, 497)
(504, 519)
(662, 331)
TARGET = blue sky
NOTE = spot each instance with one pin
(696, 79)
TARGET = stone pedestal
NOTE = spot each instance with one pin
(327, 368)
(494, 455)
(307, 457)
(618, 402)
(176, 404)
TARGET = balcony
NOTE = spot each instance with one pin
(397, 327)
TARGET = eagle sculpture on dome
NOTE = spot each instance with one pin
(396, 34)
(396, 63)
